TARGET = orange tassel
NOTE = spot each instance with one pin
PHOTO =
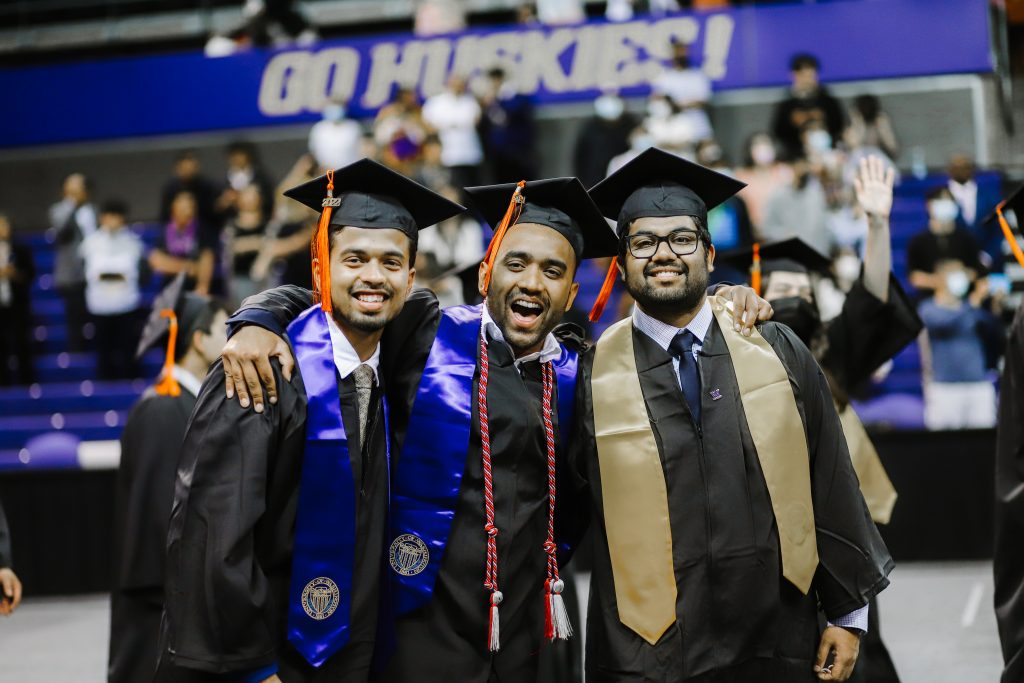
(606, 291)
(1008, 234)
(168, 386)
(320, 250)
(515, 208)
(755, 270)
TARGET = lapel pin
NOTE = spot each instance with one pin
(716, 394)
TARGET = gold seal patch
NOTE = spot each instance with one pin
(409, 555)
(320, 598)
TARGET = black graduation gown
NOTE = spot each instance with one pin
(1009, 518)
(150, 444)
(5, 540)
(867, 333)
(447, 639)
(232, 531)
(734, 608)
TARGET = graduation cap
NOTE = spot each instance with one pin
(658, 183)
(1015, 202)
(174, 316)
(366, 194)
(791, 255)
(561, 204)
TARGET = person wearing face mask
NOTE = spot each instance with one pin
(807, 101)
(799, 209)
(729, 222)
(689, 90)
(944, 240)
(958, 393)
(506, 129)
(876, 321)
(602, 137)
(763, 173)
(335, 141)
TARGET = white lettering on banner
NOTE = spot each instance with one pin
(564, 60)
(281, 89)
(331, 74)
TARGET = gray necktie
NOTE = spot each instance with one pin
(363, 376)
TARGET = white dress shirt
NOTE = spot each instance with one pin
(187, 380)
(551, 350)
(663, 334)
(112, 253)
(346, 360)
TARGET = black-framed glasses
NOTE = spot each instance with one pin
(682, 242)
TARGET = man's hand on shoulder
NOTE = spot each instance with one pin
(247, 369)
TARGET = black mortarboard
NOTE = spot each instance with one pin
(791, 255)
(658, 183)
(369, 195)
(366, 194)
(562, 204)
(1013, 202)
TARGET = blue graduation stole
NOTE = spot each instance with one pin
(323, 555)
(426, 484)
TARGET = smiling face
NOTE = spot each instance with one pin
(531, 286)
(665, 282)
(371, 276)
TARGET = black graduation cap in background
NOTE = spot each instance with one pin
(367, 194)
(562, 204)
(790, 255)
(658, 183)
(172, 321)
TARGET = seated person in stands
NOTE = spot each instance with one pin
(186, 246)
(944, 240)
(962, 339)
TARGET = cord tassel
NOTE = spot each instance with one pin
(168, 386)
(320, 249)
(560, 626)
(606, 291)
(515, 208)
(494, 639)
(1008, 234)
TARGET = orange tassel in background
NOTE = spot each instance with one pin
(1008, 234)
(755, 269)
(168, 386)
(606, 291)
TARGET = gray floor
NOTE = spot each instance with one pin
(937, 620)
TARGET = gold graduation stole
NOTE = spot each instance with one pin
(633, 486)
(875, 486)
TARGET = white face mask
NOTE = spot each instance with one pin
(847, 268)
(334, 112)
(609, 107)
(763, 154)
(819, 140)
(957, 283)
(943, 210)
(659, 109)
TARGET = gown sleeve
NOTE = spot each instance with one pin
(222, 590)
(5, 541)
(272, 309)
(868, 332)
(853, 561)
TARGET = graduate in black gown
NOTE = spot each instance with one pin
(279, 517)
(1008, 559)
(150, 444)
(10, 585)
(725, 502)
(444, 625)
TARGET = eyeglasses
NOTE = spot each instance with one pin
(681, 242)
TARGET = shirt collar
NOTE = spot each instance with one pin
(551, 350)
(186, 379)
(663, 333)
(345, 357)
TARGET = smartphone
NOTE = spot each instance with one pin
(998, 283)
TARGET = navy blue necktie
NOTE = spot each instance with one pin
(689, 378)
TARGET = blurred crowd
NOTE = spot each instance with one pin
(236, 235)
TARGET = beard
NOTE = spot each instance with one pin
(682, 297)
(519, 339)
(359, 320)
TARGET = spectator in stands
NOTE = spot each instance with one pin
(445, 248)
(729, 222)
(807, 101)
(336, 140)
(289, 232)
(399, 131)
(72, 219)
(454, 115)
(870, 130)
(764, 175)
(526, 14)
(624, 10)
(113, 257)
(958, 393)
(431, 171)
(507, 130)
(244, 237)
(188, 177)
(434, 17)
(668, 127)
(17, 271)
(602, 137)
(798, 209)
(186, 246)
(10, 586)
(689, 90)
(244, 169)
(277, 22)
(942, 241)
(560, 12)
(976, 201)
